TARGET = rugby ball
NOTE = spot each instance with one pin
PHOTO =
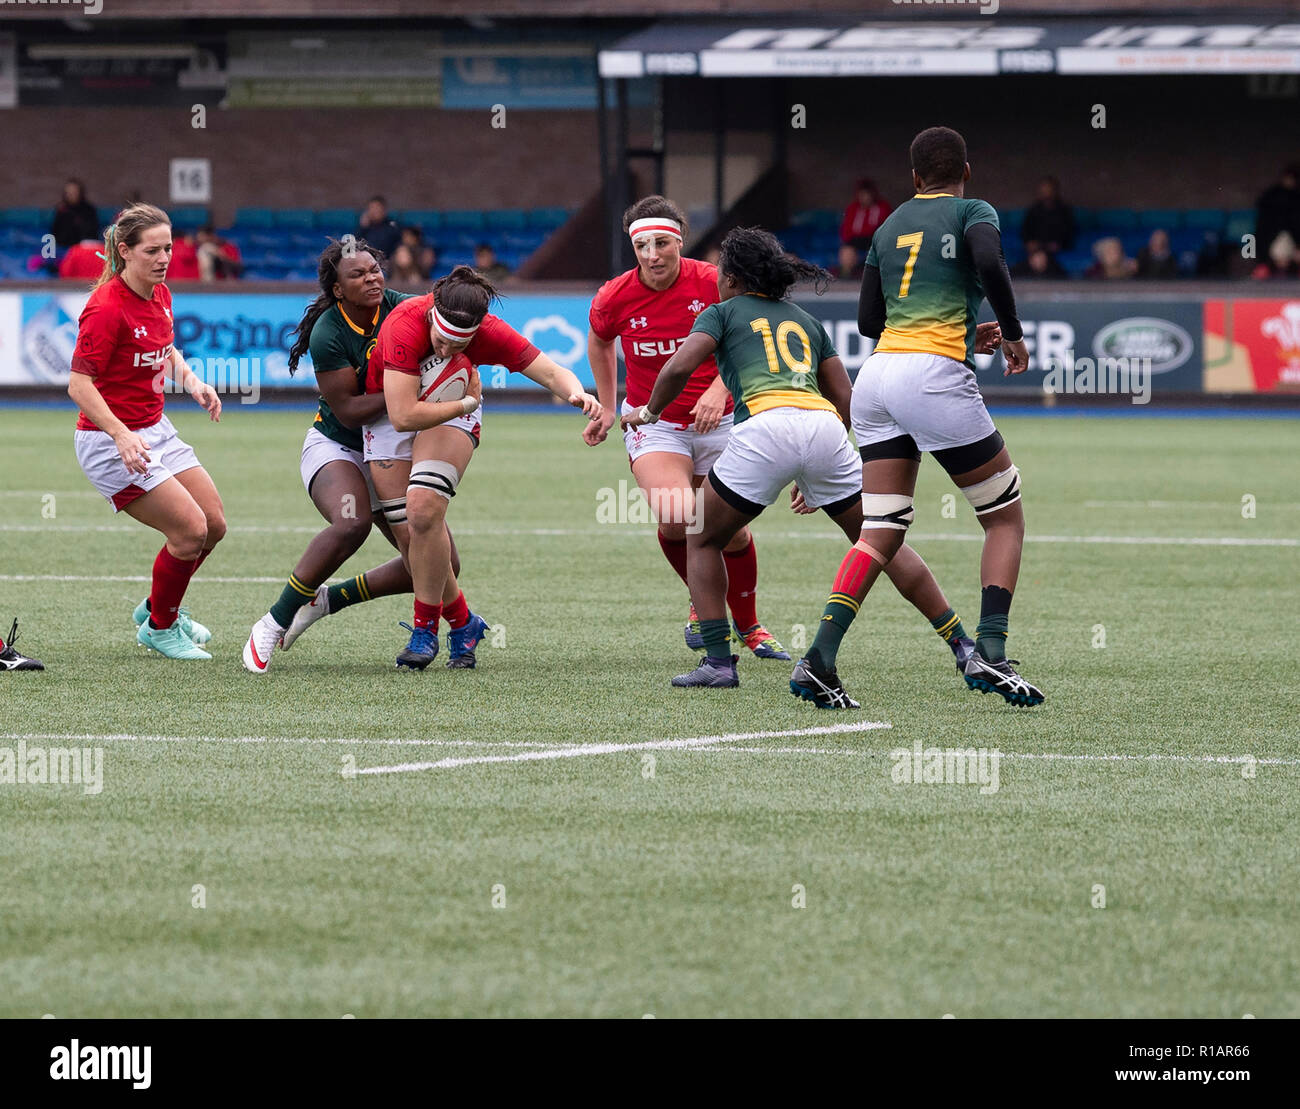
(444, 378)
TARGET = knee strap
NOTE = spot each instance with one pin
(994, 493)
(435, 475)
(887, 510)
(394, 511)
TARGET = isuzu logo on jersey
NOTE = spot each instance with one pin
(653, 348)
(154, 357)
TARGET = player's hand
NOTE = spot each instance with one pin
(1017, 356)
(597, 430)
(133, 451)
(708, 412)
(797, 504)
(987, 337)
(208, 399)
(589, 405)
(475, 387)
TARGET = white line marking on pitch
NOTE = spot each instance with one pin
(1049, 757)
(616, 748)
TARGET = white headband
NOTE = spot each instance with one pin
(655, 225)
(453, 333)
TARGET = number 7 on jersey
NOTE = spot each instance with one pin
(914, 241)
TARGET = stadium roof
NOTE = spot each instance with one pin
(971, 46)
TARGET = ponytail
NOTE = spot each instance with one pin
(131, 223)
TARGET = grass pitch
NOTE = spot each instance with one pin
(663, 879)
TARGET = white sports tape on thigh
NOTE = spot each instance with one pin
(436, 475)
(394, 511)
(887, 510)
(993, 493)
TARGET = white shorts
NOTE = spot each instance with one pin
(702, 447)
(169, 455)
(933, 399)
(319, 449)
(383, 441)
(807, 446)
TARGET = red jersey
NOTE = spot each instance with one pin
(123, 343)
(403, 343)
(653, 325)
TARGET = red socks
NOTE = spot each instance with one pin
(199, 561)
(427, 616)
(675, 552)
(457, 613)
(852, 573)
(170, 577)
(742, 585)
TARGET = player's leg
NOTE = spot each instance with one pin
(993, 490)
(665, 479)
(467, 628)
(716, 525)
(439, 460)
(888, 486)
(741, 555)
(340, 494)
(169, 508)
(913, 579)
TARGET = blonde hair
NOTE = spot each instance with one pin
(132, 222)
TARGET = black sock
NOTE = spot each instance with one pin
(991, 634)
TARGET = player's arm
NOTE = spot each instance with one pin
(564, 384)
(86, 396)
(708, 411)
(352, 409)
(604, 368)
(833, 381)
(984, 242)
(204, 394)
(408, 413)
(672, 379)
(871, 303)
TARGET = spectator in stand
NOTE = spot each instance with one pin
(1283, 259)
(866, 211)
(487, 264)
(377, 228)
(1278, 211)
(83, 261)
(424, 254)
(403, 269)
(1038, 263)
(1111, 262)
(219, 260)
(1213, 257)
(75, 219)
(1156, 260)
(1049, 221)
(185, 258)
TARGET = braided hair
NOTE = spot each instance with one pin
(327, 273)
(760, 264)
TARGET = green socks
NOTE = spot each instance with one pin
(294, 596)
(349, 593)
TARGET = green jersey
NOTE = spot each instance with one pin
(932, 292)
(768, 353)
(338, 344)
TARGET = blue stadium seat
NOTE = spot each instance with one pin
(254, 217)
(507, 219)
(1134, 241)
(1161, 219)
(463, 220)
(294, 219)
(548, 219)
(1241, 221)
(300, 274)
(1204, 219)
(27, 217)
(257, 273)
(1116, 220)
(1011, 220)
(526, 241)
(107, 216)
(1186, 241)
(1074, 262)
(189, 219)
(1085, 219)
(336, 221)
(453, 258)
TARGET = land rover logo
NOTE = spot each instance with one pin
(1166, 344)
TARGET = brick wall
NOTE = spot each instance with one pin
(304, 158)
